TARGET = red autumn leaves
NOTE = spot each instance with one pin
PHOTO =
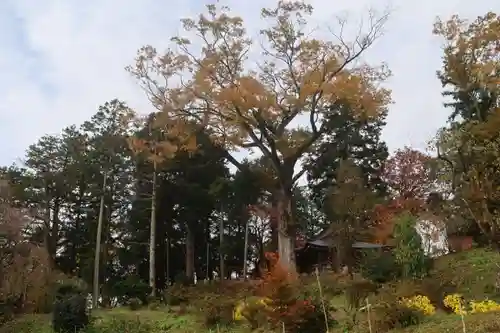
(408, 174)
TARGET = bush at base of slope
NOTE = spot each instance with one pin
(30, 323)
(476, 323)
(474, 272)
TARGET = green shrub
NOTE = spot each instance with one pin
(332, 285)
(253, 310)
(218, 313)
(436, 290)
(154, 305)
(70, 314)
(380, 267)
(175, 295)
(182, 279)
(313, 318)
(388, 310)
(357, 292)
(433, 289)
(9, 307)
(131, 287)
(134, 304)
(27, 324)
(472, 272)
(394, 315)
(477, 323)
(409, 254)
(123, 325)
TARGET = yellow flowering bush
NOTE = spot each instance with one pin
(421, 303)
(456, 303)
(484, 306)
(250, 309)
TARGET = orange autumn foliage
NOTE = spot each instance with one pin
(286, 306)
(276, 277)
(384, 217)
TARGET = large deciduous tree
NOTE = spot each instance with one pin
(410, 178)
(408, 174)
(24, 267)
(469, 147)
(208, 82)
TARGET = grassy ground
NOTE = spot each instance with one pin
(146, 321)
(120, 320)
(474, 272)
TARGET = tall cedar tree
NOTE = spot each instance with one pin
(107, 131)
(349, 138)
(298, 75)
(184, 205)
(348, 207)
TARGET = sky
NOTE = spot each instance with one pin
(61, 59)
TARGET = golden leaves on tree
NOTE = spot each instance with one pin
(472, 51)
(208, 80)
(471, 67)
(164, 142)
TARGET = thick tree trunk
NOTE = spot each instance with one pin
(95, 294)
(286, 230)
(190, 254)
(152, 238)
(274, 224)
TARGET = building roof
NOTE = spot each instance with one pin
(330, 243)
(365, 245)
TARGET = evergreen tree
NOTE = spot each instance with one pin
(349, 137)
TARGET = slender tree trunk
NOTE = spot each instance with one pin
(221, 248)
(106, 248)
(190, 254)
(54, 233)
(208, 262)
(152, 238)
(167, 269)
(47, 234)
(208, 240)
(245, 253)
(95, 294)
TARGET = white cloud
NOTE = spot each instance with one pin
(60, 59)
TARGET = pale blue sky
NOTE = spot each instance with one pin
(60, 59)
